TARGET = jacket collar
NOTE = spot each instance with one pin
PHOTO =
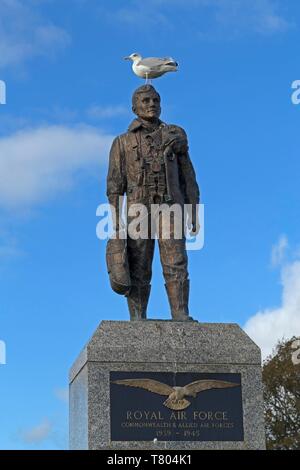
(137, 124)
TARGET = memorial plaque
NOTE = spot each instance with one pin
(176, 406)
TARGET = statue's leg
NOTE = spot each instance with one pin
(174, 262)
(140, 256)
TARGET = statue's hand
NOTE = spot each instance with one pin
(194, 228)
(193, 223)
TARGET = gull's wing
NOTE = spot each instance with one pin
(156, 62)
(201, 385)
(147, 384)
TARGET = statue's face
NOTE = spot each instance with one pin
(148, 106)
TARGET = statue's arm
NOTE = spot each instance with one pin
(116, 177)
(187, 175)
(188, 183)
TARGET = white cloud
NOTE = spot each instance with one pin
(260, 16)
(37, 433)
(37, 164)
(225, 17)
(268, 326)
(60, 115)
(24, 33)
(279, 251)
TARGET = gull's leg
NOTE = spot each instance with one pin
(146, 82)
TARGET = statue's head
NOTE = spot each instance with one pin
(146, 103)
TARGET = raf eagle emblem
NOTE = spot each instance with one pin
(176, 395)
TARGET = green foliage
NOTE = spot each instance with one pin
(281, 378)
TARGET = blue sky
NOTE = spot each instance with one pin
(68, 95)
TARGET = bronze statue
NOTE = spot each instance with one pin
(151, 165)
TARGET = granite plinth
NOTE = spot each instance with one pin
(161, 346)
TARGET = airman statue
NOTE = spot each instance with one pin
(150, 164)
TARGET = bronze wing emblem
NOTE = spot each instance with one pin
(176, 395)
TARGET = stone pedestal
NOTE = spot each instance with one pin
(108, 412)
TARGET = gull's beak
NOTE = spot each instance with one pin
(126, 58)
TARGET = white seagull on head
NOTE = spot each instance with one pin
(151, 67)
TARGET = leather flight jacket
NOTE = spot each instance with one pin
(162, 166)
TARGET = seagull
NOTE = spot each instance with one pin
(151, 67)
(176, 395)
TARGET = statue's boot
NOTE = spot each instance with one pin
(137, 302)
(178, 295)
